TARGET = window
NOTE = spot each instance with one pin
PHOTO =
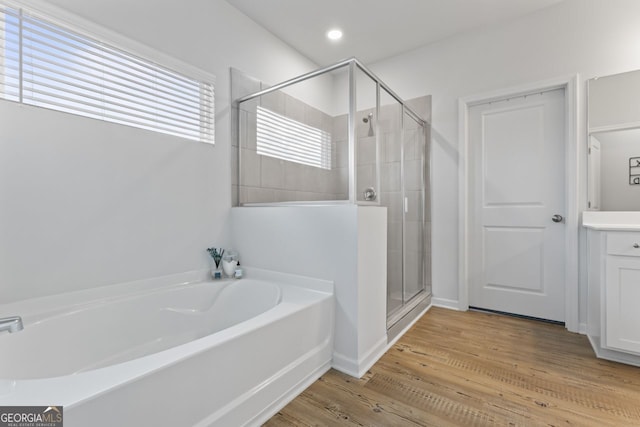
(283, 138)
(47, 65)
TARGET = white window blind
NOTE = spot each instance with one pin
(47, 65)
(283, 138)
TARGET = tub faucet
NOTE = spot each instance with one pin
(11, 324)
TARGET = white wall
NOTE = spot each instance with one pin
(86, 203)
(613, 101)
(348, 246)
(590, 37)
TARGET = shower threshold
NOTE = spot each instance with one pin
(399, 320)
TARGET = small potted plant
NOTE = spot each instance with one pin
(216, 254)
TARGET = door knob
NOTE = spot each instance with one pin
(557, 218)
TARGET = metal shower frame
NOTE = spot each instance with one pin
(351, 63)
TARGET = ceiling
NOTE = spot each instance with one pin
(377, 29)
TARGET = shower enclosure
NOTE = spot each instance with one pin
(340, 135)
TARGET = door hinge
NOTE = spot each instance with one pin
(589, 150)
(589, 205)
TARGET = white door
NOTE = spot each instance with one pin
(517, 164)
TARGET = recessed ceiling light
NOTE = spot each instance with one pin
(334, 34)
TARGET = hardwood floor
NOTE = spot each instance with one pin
(476, 369)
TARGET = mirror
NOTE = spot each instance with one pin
(614, 142)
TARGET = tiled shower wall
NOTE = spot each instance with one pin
(267, 179)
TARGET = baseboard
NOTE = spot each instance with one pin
(372, 356)
(614, 356)
(451, 304)
(357, 368)
(582, 328)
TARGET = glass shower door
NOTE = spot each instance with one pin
(390, 136)
(413, 209)
(403, 193)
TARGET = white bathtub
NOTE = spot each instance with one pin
(225, 353)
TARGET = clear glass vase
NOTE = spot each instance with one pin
(229, 263)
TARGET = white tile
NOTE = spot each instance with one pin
(413, 175)
(342, 154)
(294, 108)
(290, 196)
(413, 236)
(260, 195)
(394, 235)
(334, 178)
(343, 181)
(274, 101)
(300, 177)
(247, 131)
(272, 172)
(250, 169)
(394, 271)
(317, 183)
(326, 181)
(340, 128)
(392, 151)
(393, 202)
(313, 117)
(365, 178)
(292, 174)
(284, 196)
(304, 196)
(412, 272)
(367, 151)
(390, 117)
(411, 145)
(327, 123)
(390, 177)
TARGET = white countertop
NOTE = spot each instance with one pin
(601, 220)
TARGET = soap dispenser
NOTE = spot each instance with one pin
(238, 272)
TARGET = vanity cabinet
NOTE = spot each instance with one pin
(613, 218)
(613, 318)
(622, 291)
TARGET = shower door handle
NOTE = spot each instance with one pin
(406, 205)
